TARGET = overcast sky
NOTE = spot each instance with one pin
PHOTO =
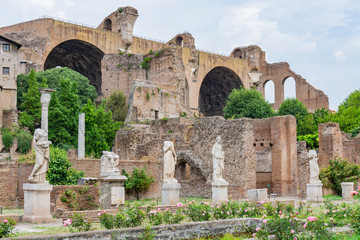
(320, 39)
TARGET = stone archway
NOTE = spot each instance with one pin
(79, 56)
(215, 89)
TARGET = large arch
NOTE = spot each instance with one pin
(80, 56)
(215, 89)
(289, 86)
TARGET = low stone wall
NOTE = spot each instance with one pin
(91, 168)
(176, 231)
(82, 197)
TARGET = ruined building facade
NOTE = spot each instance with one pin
(160, 79)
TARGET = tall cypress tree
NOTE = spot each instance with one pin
(31, 117)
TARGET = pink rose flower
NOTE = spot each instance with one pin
(264, 221)
(257, 229)
(5, 220)
(179, 204)
(292, 231)
(304, 225)
(254, 234)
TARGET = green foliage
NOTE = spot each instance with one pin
(145, 64)
(78, 222)
(63, 114)
(147, 96)
(54, 77)
(139, 181)
(183, 114)
(60, 171)
(116, 103)
(199, 212)
(355, 219)
(312, 140)
(339, 171)
(100, 129)
(247, 103)
(120, 10)
(24, 140)
(348, 114)
(293, 106)
(6, 227)
(7, 138)
(164, 120)
(31, 105)
(64, 111)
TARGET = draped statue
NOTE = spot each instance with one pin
(169, 162)
(42, 157)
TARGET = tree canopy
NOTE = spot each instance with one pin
(54, 77)
(247, 103)
(116, 103)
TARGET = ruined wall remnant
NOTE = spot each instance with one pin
(303, 169)
(275, 145)
(336, 144)
(193, 140)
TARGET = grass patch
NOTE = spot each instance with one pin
(333, 197)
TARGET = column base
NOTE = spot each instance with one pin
(219, 191)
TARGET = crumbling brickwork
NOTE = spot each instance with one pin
(275, 141)
(303, 168)
(333, 144)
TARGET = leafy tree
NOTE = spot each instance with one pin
(312, 140)
(100, 129)
(139, 181)
(31, 116)
(247, 103)
(24, 140)
(293, 106)
(60, 171)
(63, 114)
(54, 77)
(116, 103)
(339, 171)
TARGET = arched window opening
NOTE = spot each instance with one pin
(269, 90)
(179, 41)
(108, 25)
(289, 88)
(215, 89)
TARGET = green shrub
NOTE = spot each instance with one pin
(339, 171)
(147, 96)
(24, 142)
(139, 181)
(78, 222)
(7, 139)
(145, 64)
(6, 227)
(312, 140)
(60, 171)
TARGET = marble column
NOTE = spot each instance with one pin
(45, 100)
(347, 188)
(81, 136)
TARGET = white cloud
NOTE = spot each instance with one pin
(243, 26)
(47, 4)
(339, 55)
(70, 3)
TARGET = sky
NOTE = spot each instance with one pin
(319, 39)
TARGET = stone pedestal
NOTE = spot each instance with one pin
(314, 192)
(112, 191)
(37, 203)
(347, 188)
(219, 191)
(257, 194)
(170, 193)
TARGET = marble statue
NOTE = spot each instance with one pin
(218, 161)
(314, 167)
(42, 152)
(169, 162)
(109, 161)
